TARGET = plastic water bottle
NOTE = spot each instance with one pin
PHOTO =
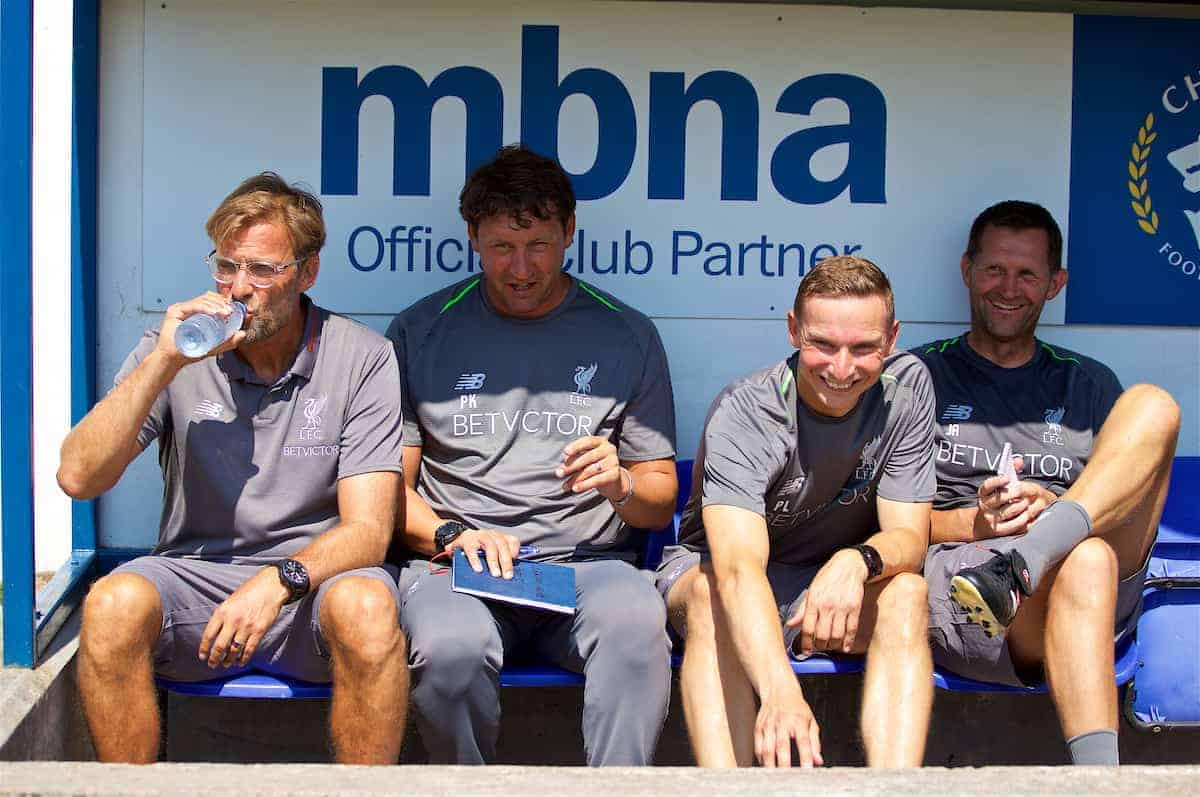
(199, 334)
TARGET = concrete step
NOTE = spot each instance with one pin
(271, 779)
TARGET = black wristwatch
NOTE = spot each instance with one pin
(294, 578)
(872, 559)
(447, 533)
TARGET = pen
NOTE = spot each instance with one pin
(524, 550)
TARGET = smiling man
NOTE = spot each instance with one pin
(806, 526)
(1036, 579)
(538, 413)
(280, 452)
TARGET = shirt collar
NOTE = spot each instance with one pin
(302, 364)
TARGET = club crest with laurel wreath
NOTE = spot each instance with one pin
(1164, 165)
(1133, 243)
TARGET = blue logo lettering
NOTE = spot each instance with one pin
(671, 101)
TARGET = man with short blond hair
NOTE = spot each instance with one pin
(807, 522)
(280, 452)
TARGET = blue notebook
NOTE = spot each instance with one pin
(534, 584)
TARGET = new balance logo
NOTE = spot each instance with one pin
(793, 486)
(470, 382)
(957, 412)
(209, 409)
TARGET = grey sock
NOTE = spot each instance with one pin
(1052, 536)
(1094, 748)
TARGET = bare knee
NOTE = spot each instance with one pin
(700, 595)
(122, 614)
(360, 621)
(903, 609)
(1154, 410)
(1088, 576)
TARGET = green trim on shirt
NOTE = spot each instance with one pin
(786, 382)
(461, 294)
(887, 378)
(595, 295)
(1058, 356)
(941, 349)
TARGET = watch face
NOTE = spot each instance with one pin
(294, 575)
(446, 533)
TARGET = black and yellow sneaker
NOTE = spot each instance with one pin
(991, 592)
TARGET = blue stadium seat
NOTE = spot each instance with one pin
(247, 685)
(280, 687)
(1166, 689)
(816, 664)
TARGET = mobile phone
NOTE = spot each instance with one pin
(1005, 466)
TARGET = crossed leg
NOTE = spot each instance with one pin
(720, 704)
(1067, 624)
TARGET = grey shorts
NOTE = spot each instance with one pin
(788, 582)
(191, 589)
(961, 646)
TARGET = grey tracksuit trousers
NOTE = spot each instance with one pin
(617, 638)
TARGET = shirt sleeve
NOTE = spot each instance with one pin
(372, 435)
(741, 458)
(398, 335)
(157, 418)
(910, 474)
(648, 426)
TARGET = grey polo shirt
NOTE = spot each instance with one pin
(813, 478)
(250, 468)
(1049, 409)
(492, 401)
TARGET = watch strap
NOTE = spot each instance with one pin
(872, 559)
(447, 533)
(294, 577)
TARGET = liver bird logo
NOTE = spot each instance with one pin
(313, 408)
(583, 377)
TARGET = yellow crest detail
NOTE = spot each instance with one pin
(1139, 185)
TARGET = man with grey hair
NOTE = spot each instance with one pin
(280, 452)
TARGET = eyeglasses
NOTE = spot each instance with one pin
(262, 273)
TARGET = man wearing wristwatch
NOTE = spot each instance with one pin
(538, 412)
(804, 532)
(280, 452)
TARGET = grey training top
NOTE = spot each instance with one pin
(814, 478)
(492, 401)
(1050, 409)
(251, 469)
